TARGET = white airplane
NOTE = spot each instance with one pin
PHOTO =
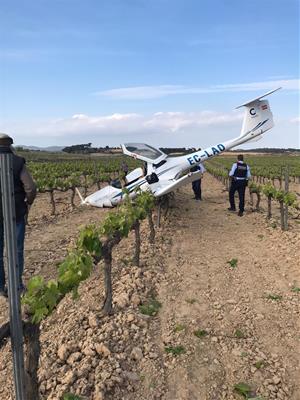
(163, 174)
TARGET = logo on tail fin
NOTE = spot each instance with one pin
(259, 125)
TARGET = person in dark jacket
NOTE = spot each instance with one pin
(196, 185)
(240, 174)
(24, 193)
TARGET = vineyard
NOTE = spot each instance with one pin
(277, 178)
(265, 168)
(62, 176)
(118, 308)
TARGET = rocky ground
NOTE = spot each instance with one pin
(222, 291)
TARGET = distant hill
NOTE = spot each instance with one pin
(267, 150)
(51, 149)
(167, 150)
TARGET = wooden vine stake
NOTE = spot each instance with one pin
(137, 251)
(258, 199)
(286, 188)
(151, 227)
(52, 202)
(72, 197)
(251, 197)
(33, 349)
(282, 219)
(158, 213)
(107, 257)
(269, 215)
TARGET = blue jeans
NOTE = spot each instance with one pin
(20, 227)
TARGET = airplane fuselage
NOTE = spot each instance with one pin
(165, 173)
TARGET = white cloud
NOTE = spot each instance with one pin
(287, 84)
(276, 77)
(143, 92)
(151, 92)
(81, 124)
(203, 128)
(124, 124)
(181, 121)
(295, 120)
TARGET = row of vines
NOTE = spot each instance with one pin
(283, 197)
(95, 243)
(51, 177)
(265, 168)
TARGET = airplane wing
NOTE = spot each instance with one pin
(143, 152)
(168, 186)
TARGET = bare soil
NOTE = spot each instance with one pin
(249, 311)
(245, 314)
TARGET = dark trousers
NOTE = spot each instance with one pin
(20, 227)
(196, 185)
(240, 186)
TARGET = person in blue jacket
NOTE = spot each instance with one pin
(240, 174)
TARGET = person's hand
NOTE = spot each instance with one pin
(26, 215)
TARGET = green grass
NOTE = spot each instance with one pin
(200, 333)
(152, 385)
(259, 364)
(239, 334)
(276, 297)
(233, 262)
(191, 301)
(150, 308)
(175, 350)
(70, 396)
(125, 261)
(179, 328)
(295, 289)
(243, 389)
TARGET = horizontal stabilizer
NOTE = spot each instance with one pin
(248, 103)
(258, 117)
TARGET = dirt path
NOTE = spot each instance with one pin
(248, 332)
(246, 316)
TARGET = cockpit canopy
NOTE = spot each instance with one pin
(143, 152)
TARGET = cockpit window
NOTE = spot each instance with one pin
(116, 183)
(144, 150)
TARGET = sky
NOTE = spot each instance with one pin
(166, 72)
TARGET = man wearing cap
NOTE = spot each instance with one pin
(24, 194)
(240, 174)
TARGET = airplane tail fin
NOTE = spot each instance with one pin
(258, 117)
